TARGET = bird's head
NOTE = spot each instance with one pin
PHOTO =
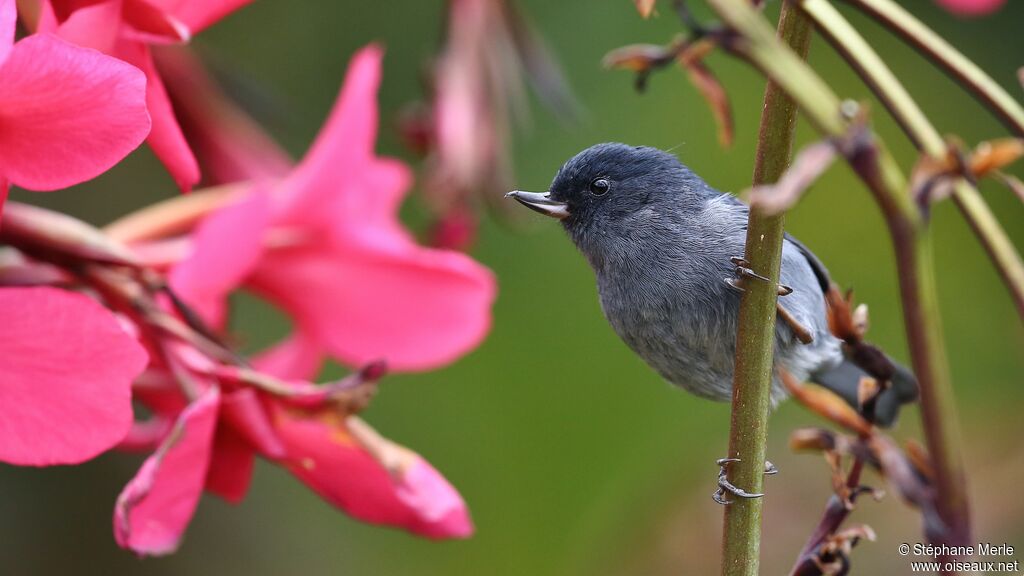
(609, 190)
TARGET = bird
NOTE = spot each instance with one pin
(664, 246)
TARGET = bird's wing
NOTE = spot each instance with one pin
(820, 272)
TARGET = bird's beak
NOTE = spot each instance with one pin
(541, 202)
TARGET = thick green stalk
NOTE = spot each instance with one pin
(755, 339)
(920, 130)
(908, 229)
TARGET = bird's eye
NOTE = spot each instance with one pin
(599, 186)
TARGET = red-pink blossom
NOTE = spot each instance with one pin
(69, 113)
(324, 243)
(971, 7)
(126, 29)
(215, 440)
(154, 509)
(68, 366)
(333, 254)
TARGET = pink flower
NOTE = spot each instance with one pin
(215, 439)
(67, 113)
(126, 29)
(324, 243)
(68, 366)
(971, 7)
(326, 246)
(478, 84)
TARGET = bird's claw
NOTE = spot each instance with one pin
(734, 284)
(725, 486)
(743, 271)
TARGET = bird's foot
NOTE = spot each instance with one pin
(725, 486)
(743, 271)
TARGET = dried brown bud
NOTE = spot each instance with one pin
(827, 405)
(867, 390)
(714, 94)
(920, 459)
(640, 57)
(807, 167)
(644, 7)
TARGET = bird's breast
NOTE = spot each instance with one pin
(685, 332)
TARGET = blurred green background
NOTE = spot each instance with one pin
(574, 457)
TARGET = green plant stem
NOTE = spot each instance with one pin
(911, 241)
(752, 380)
(981, 85)
(920, 130)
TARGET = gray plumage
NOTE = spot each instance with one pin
(659, 240)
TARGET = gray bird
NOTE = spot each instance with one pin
(662, 243)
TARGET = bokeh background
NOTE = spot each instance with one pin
(574, 457)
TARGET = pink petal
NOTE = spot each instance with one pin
(8, 20)
(198, 14)
(466, 136)
(151, 24)
(417, 310)
(971, 7)
(225, 248)
(67, 373)
(298, 357)
(156, 506)
(231, 466)
(425, 490)
(229, 145)
(324, 454)
(65, 8)
(69, 113)
(345, 142)
(245, 413)
(166, 138)
(366, 206)
(160, 393)
(146, 435)
(90, 26)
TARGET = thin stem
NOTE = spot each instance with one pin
(980, 84)
(879, 171)
(836, 512)
(852, 46)
(997, 244)
(752, 380)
